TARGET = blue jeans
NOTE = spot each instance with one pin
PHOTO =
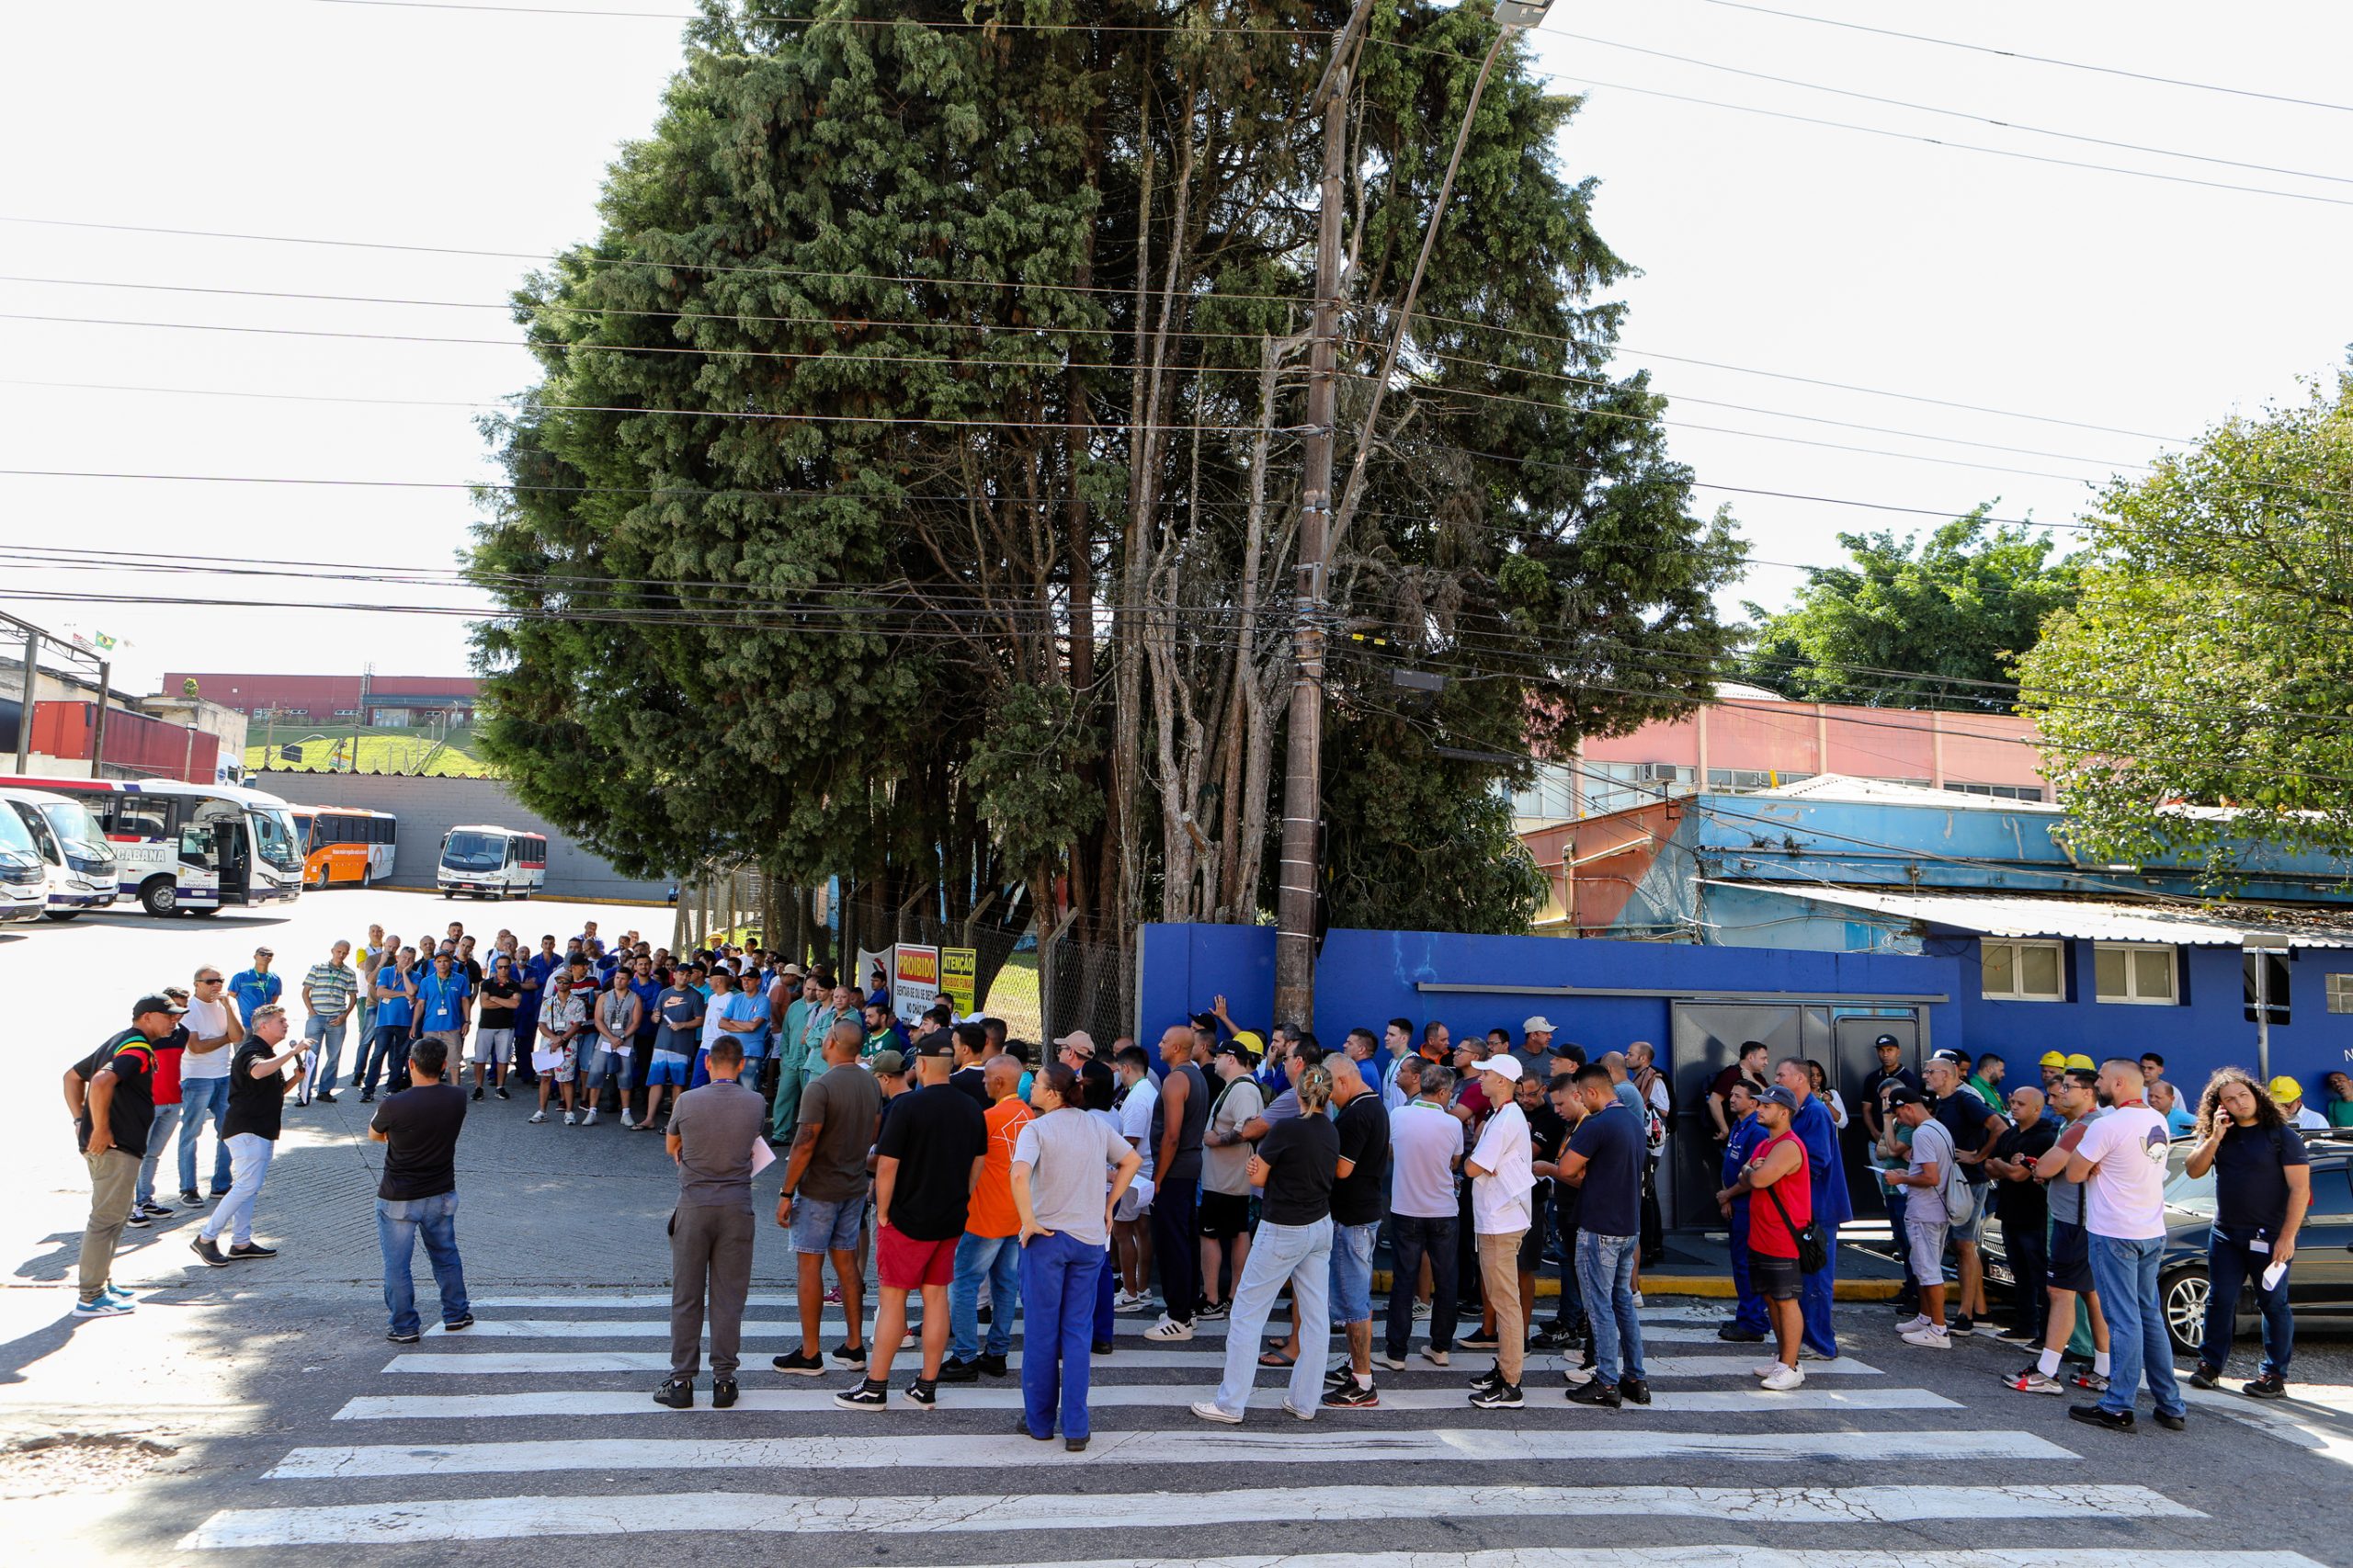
(386, 1051)
(1303, 1255)
(1412, 1238)
(1352, 1271)
(2230, 1264)
(1814, 1296)
(328, 1037)
(167, 1117)
(1606, 1277)
(1750, 1315)
(399, 1224)
(203, 1104)
(996, 1259)
(249, 1155)
(2126, 1273)
(1058, 1283)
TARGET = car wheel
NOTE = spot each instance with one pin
(159, 896)
(60, 915)
(2184, 1295)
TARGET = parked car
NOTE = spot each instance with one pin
(2320, 1280)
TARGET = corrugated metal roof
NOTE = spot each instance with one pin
(1850, 787)
(2182, 923)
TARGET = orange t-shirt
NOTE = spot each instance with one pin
(993, 1213)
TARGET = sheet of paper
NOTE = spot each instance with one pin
(762, 1155)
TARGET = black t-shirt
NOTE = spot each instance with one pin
(1302, 1156)
(1879, 1077)
(1361, 1197)
(420, 1127)
(132, 1114)
(936, 1133)
(1611, 1142)
(1722, 1088)
(254, 1104)
(505, 992)
(2023, 1205)
(1964, 1115)
(2251, 1177)
(1548, 1132)
(973, 1083)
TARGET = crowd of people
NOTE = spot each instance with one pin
(1205, 1178)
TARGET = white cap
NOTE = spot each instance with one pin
(1503, 1065)
(1539, 1025)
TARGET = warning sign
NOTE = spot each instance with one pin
(959, 971)
(915, 980)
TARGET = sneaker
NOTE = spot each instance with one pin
(189, 1199)
(953, 1371)
(325, 1097)
(1986, 1328)
(2092, 1383)
(1488, 1379)
(833, 1296)
(1168, 1331)
(2094, 1416)
(912, 1338)
(251, 1249)
(2270, 1385)
(850, 1355)
(2173, 1422)
(1351, 1395)
(1732, 1334)
(1579, 1374)
(1782, 1378)
(2206, 1376)
(1074, 1445)
(1763, 1368)
(538, 1116)
(723, 1393)
(689, 1387)
(572, 1120)
(1549, 1338)
(459, 1326)
(1930, 1338)
(1595, 1393)
(1808, 1353)
(866, 1395)
(991, 1366)
(1638, 1298)
(1434, 1356)
(157, 1211)
(678, 1393)
(208, 1249)
(1213, 1311)
(1209, 1411)
(103, 1307)
(1395, 1363)
(1125, 1300)
(394, 1337)
(799, 1364)
(2031, 1380)
(1500, 1396)
(1421, 1312)
(922, 1393)
(629, 1126)
(1101, 1347)
(589, 1120)
(1339, 1375)
(1911, 1324)
(137, 1219)
(1961, 1324)
(1303, 1415)
(1481, 1340)
(2021, 1334)
(1635, 1390)
(218, 1193)
(500, 1092)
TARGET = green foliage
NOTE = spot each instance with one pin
(1957, 609)
(2209, 662)
(1025, 771)
(188, 687)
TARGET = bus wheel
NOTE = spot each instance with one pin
(59, 914)
(203, 913)
(159, 896)
(367, 876)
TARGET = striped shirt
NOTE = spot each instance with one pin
(330, 985)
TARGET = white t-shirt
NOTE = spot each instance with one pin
(1135, 1117)
(1499, 1201)
(712, 1018)
(2125, 1197)
(208, 1019)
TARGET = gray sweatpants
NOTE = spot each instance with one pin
(710, 1266)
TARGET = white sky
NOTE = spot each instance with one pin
(2133, 303)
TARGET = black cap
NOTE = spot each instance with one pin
(146, 1005)
(1905, 1093)
(1236, 1049)
(939, 1042)
(1887, 1039)
(1205, 1021)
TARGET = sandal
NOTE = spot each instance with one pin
(1275, 1359)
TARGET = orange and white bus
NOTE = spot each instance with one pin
(345, 843)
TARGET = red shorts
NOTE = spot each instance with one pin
(907, 1263)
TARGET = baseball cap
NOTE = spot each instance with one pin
(1236, 1048)
(1077, 1039)
(264, 953)
(939, 1042)
(2080, 1063)
(1903, 1093)
(1504, 1065)
(1955, 1057)
(1887, 1039)
(1788, 1101)
(1538, 1025)
(2285, 1089)
(795, 972)
(2052, 1059)
(156, 1004)
(888, 1062)
(1205, 1021)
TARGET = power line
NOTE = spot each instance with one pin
(2036, 59)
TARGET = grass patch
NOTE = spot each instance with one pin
(380, 750)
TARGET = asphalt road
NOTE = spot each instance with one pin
(256, 1415)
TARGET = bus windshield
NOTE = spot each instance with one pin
(302, 828)
(474, 851)
(273, 839)
(77, 829)
(15, 835)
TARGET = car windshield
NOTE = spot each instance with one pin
(74, 824)
(2192, 1195)
(273, 839)
(474, 851)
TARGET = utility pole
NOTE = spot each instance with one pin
(98, 725)
(1303, 759)
(25, 703)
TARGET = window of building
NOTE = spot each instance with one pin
(1751, 777)
(2130, 972)
(2000, 791)
(2022, 970)
(2340, 993)
(2266, 986)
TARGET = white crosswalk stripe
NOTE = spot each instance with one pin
(1660, 1312)
(480, 1363)
(1182, 1446)
(412, 1520)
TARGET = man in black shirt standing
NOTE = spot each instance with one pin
(1360, 1197)
(257, 1086)
(2024, 1208)
(418, 1194)
(109, 1094)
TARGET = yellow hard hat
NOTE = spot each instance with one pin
(2080, 1061)
(2053, 1059)
(2286, 1090)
